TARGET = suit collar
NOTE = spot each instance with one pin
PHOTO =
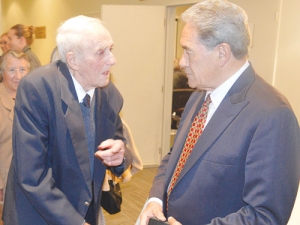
(73, 118)
(66, 81)
(233, 103)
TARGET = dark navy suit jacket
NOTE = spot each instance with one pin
(49, 180)
(243, 169)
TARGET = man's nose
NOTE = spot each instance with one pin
(112, 59)
(183, 62)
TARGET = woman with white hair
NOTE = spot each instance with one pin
(14, 67)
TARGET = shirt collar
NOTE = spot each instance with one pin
(80, 91)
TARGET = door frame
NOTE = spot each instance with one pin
(168, 78)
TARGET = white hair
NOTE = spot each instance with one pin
(74, 34)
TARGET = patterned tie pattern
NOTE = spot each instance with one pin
(192, 137)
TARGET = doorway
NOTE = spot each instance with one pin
(140, 63)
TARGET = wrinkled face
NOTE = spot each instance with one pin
(14, 41)
(96, 61)
(199, 63)
(5, 43)
(14, 71)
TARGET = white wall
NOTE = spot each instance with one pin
(287, 77)
(143, 74)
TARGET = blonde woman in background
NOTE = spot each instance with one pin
(4, 43)
(13, 66)
(20, 39)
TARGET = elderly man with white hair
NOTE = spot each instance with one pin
(67, 132)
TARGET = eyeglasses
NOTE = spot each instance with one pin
(13, 71)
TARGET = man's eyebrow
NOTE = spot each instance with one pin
(184, 46)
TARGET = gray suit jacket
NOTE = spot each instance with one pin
(49, 180)
(243, 169)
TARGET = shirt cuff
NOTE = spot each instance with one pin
(119, 170)
(153, 199)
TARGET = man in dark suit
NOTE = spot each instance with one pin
(63, 143)
(243, 167)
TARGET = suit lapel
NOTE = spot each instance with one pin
(230, 107)
(183, 130)
(74, 121)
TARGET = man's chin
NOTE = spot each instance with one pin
(104, 83)
(192, 85)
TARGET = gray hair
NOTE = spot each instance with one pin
(17, 55)
(219, 21)
(73, 35)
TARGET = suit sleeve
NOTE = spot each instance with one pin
(31, 142)
(158, 186)
(115, 100)
(271, 172)
(119, 170)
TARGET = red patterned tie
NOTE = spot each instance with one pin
(193, 135)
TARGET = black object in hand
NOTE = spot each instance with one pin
(154, 221)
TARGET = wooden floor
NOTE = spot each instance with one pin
(134, 193)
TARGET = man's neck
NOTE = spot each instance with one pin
(231, 67)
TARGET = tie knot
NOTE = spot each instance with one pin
(207, 101)
(87, 101)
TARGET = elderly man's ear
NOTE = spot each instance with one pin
(71, 60)
(224, 52)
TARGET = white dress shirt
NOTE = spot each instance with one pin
(81, 92)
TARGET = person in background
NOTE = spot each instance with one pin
(13, 67)
(4, 43)
(235, 158)
(67, 132)
(21, 38)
